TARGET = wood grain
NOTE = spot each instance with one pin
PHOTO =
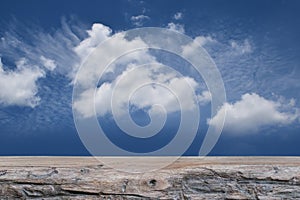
(187, 178)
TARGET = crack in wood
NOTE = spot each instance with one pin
(3, 172)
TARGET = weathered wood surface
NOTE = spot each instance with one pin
(187, 178)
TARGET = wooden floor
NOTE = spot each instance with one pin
(186, 178)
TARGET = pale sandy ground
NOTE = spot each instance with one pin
(62, 161)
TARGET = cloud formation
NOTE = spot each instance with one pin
(241, 48)
(128, 68)
(178, 16)
(19, 86)
(133, 79)
(43, 49)
(253, 112)
(204, 97)
(48, 63)
(35, 53)
(64, 50)
(176, 27)
(139, 20)
(96, 35)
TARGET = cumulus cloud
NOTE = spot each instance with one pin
(254, 112)
(119, 45)
(178, 16)
(96, 35)
(35, 53)
(19, 86)
(176, 27)
(146, 96)
(139, 20)
(125, 69)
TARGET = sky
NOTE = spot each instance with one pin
(253, 44)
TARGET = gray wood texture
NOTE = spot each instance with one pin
(187, 178)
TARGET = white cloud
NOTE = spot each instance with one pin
(241, 48)
(1, 66)
(178, 16)
(148, 96)
(204, 97)
(235, 49)
(48, 63)
(33, 55)
(96, 35)
(254, 112)
(190, 49)
(115, 47)
(62, 51)
(176, 27)
(121, 69)
(139, 20)
(127, 63)
(19, 87)
(203, 40)
(50, 50)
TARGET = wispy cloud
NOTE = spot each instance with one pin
(241, 48)
(178, 16)
(48, 63)
(139, 20)
(36, 45)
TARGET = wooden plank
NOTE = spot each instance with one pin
(187, 178)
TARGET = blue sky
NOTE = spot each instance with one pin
(254, 44)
